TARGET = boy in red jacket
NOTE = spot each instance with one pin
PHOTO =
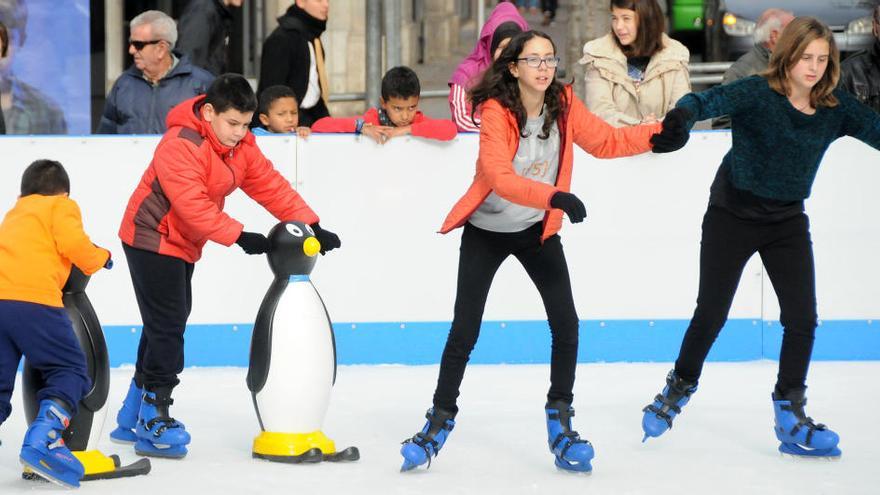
(398, 113)
(176, 208)
(41, 237)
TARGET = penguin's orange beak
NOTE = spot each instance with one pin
(311, 247)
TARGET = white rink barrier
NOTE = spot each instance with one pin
(633, 262)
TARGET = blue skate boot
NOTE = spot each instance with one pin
(667, 405)
(158, 434)
(126, 418)
(799, 435)
(427, 443)
(572, 453)
(43, 450)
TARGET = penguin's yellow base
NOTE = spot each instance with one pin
(95, 462)
(270, 444)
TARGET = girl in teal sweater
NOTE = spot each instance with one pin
(782, 123)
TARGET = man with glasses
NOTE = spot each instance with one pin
(158, 80)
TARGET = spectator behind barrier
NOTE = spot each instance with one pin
(398, 113)
(204, 29)
(158, 80)
(635, 73)
(293, 56)
(27, 110)
(278, 111)
(4, 43)
(767, 32)
(503, 23)
(860, 74)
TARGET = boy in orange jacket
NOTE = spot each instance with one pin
(206, 153)
(40, 238)
(398, 113)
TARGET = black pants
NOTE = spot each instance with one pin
(163, 287)
(481, 254)
(787, 253)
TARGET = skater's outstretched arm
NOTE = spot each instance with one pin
(267, 186)
(72, 241)
(861, 122)
(728, 99)
(602, 140)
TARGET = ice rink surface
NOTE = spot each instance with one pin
(722, 444)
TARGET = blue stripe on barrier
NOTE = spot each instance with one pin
(520, 342)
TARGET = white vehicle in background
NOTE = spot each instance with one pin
(731, 23)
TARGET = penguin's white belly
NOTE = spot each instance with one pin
(97, 432)
(296, 394)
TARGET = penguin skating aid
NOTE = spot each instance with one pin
(293, 356)
(85, 429)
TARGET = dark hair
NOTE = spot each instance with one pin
(504, 30)
(231, 91)
(499, 83)
(788, 51)
(14, 14)
(272, 93)
(651, 24)
(400, 82)
(45, 177)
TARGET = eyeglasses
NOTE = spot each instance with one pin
(139, 45)
(535, 62)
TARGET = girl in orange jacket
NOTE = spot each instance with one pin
(514, 207)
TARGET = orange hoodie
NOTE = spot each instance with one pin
(499, 140)
(40, 237)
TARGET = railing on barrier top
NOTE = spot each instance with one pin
(706, 73)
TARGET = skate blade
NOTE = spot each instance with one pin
(350, 454)
(138, 468)
(799, 453)
(573, 472)
(44, 475)
(310, 456)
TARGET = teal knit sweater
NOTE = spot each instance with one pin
(777, 149)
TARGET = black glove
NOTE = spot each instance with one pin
(329, 241)
(253, 243)
(571, 205)
(675, 131)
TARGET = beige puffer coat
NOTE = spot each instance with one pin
(614, 96)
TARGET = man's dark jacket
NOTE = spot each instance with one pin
(134, 106)
(860, 76)
(286, 59)
(203, 34)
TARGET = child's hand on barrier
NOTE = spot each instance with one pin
(378, 133)
(303, 132)
(400, 131)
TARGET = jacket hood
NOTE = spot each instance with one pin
(188, 114)
(606, 48)
(472, 67)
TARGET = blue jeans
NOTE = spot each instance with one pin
(44, 335)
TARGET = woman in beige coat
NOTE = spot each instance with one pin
(635, 73)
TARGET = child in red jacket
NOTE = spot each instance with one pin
(176, 208)
(41, 237)
(398, 113)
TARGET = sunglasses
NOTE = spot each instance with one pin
(139, 45)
